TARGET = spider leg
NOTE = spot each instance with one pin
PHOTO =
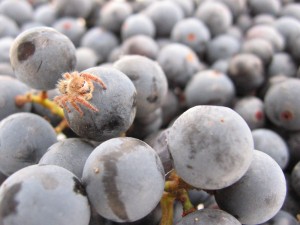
(94, 78)
(61, 100)
(85, 103)
(76, 107)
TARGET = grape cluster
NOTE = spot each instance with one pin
(153, 112)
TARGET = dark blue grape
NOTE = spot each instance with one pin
(164, 14)
(295, 178)
(281, 106)
(137, 24)
(268, 33)
(116, 107)
(40, 55)
(282, 64)
(73, 8)
(282, 217)
(117, 176)
(215, 15)
(209, 217)
(179, 63)
(193, 33)
(113, 14)
(251, 108)
(70, 154)
(291, 10)
(101, 41)
(247, 72)
(273, 144)
(213, 152)
(258, 195)
(18, 10)
(45, 14)
(33, 134)
(86, 58)
(10, 88)
(259, 47)
(8, 27)
(271, 7)
(73, 28)
(140, 45)
(222, 47)
(209, 87)
(46, 195)
(5, 45)
(149, 80)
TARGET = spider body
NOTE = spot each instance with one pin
(77, 88)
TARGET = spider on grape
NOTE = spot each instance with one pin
(77, 88)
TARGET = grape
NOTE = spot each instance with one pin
(19, 11)
(258, 195)
(70, 154)
(209, 217)
(72, 8)
(46, 195)
(108, 19)
(124, 179)
(179, 63)
(295, 178)
(137, 24)
(282, 218)
(164, 14)
(209, 87)
(251, 108)
(193, 33)
(222, 18)
(116, 107)
(101, 41)
(281, 107)
(10, 88)
(213, 152)
(273, 144)
(149, 80)
(268, 33)
(40, 55)
(158, 141)
(24, 138)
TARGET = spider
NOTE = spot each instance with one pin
(77, 88)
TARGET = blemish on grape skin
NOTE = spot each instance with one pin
(191, 37)
(25, 50)
(78, 187)
(9, 203)
(259, 115)
(287, 115)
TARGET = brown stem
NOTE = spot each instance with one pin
(61, 126)
(167, 207)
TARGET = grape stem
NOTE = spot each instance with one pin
(61, 126)
(42, 99)
(175, 189)
(167, 204)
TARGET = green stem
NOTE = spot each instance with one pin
(183, 197)
(167, 207)
(42, 100)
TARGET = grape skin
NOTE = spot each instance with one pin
(45, 195)
(209, 217)
(213, 152)
(258, 195)
(124, 179)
